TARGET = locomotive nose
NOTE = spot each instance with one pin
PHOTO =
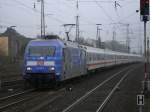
(40, 66)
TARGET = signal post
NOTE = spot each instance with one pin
(144, 12)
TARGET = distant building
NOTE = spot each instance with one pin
(9, 47)
(12, 45)
(4, 46)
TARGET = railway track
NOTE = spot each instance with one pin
(8, 88)
(10, 83)
(15, 95)
(97, 98)
(8, 101)
(30, 97)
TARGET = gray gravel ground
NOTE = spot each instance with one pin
(125, 100)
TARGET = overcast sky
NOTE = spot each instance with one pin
(25, 15)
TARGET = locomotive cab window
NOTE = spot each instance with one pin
(41, 51)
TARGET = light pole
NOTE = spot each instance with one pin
(42, 19)
(144, 14)
(98, 38)
(77, 22)
(127, 37)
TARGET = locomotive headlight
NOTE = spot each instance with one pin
(29, 68)
(52, 68)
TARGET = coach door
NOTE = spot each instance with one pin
(66, 63)
(83, 61)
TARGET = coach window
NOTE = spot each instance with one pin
(63, 54)
(90, 57)
(102, 56)
(94, 57)
(97, 56)
(87, 56)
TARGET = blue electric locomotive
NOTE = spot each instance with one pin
(53, 60)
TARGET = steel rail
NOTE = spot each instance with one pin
(17, 94)
(4, 84)
(26, 99)
(13, 81)
(104, 103)
(92, 90)
(13, 103)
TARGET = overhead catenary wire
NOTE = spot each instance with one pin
(128, 16)
(37, 11)
(32, 10)
(60, 10)
(24, 5)
(109, 17)
(59, 17)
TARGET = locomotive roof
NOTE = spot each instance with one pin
(46, 42)
(58, 42)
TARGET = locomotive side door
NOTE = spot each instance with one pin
(66, 63)
(83, 61)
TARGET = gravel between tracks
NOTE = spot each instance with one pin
(30, 101)
(125, 99)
